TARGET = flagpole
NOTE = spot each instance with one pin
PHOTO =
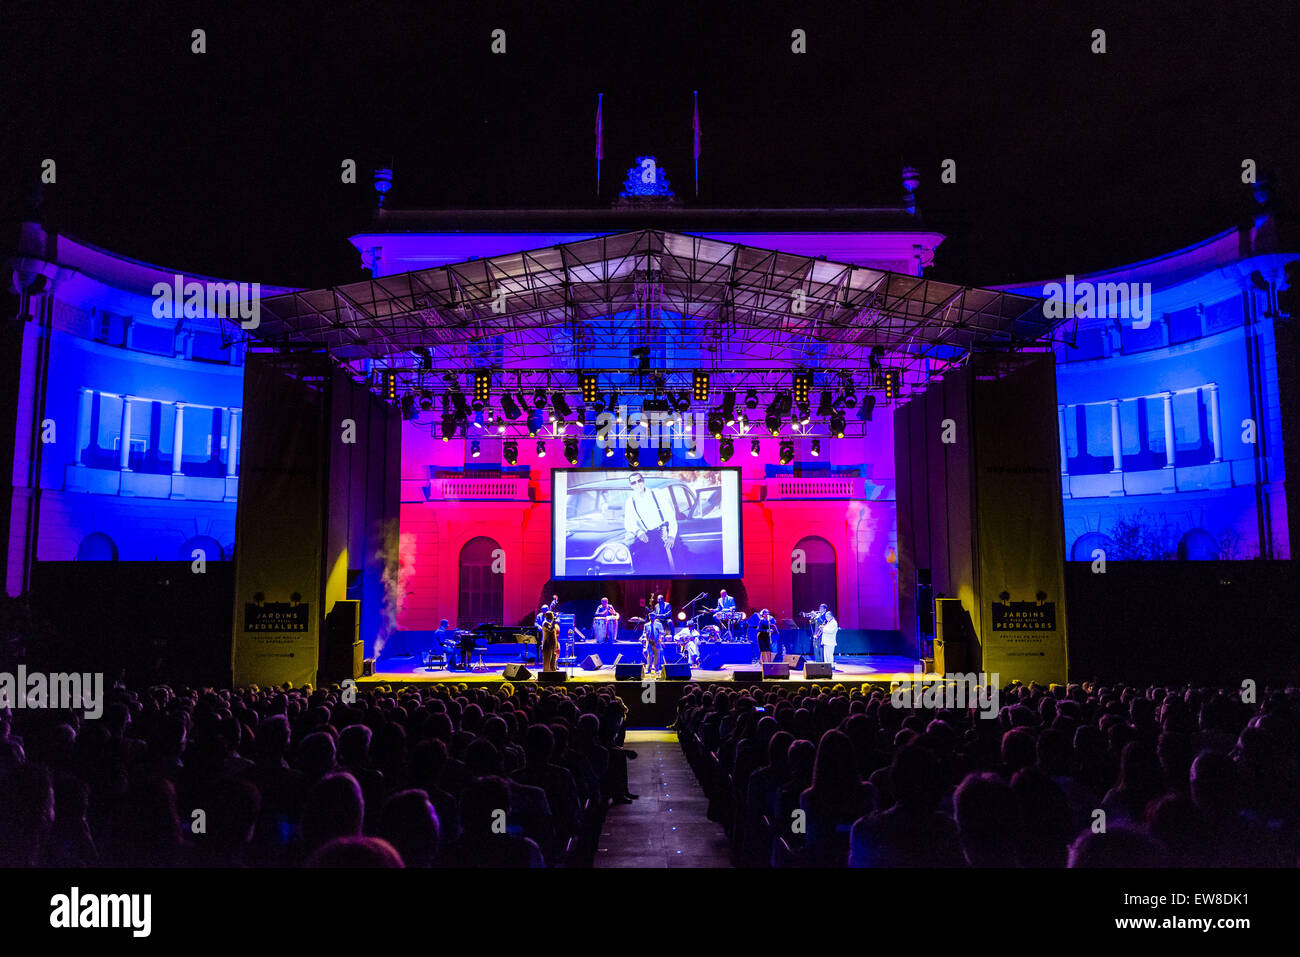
(696, 124)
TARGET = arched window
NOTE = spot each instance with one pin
(210, 547)
(1089, 542)
(815, 585)
(97, 547)
(481, 589)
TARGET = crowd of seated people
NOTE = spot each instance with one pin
(1080, 776)
(432, 776)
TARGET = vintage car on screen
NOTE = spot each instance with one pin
(596, 543)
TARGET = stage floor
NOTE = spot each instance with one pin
(882, 668)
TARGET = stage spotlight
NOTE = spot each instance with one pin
(633, 456)
(539, 397)
(816, 447)
(460, 405)
(390, 386)
(893, 384)
(408, 406)
(681, 401)
(482, 388)
(715, 424)
(751, 399)
(700, 383)
(560, 406)
(729, 407)
(868, 405)
(850, 396)
(787, 452)
(448, 427)
(753, 447)
(609, 450)
(510, 452)
(802, 386)
(773, 422)
(665, 455)
(837, 424)
(500, 423)
(827, 404)
(590, 394)
(805, 413)
(534, 423)
(474, 449)
(783, 402)
(541, 449)
(510, 407)
(571, 450)
(726, 450)
(426, 400)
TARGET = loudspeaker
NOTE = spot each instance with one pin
(343, 650)
(748, 674)
(776, 669)
(553, 677)
(955, 648)
(368, 667)
(711, 663)
(517, 672)
(590, 663)
(817, 669)
(678, 671)
(795, 662)
(628, 672)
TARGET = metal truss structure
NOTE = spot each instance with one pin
(685, 302)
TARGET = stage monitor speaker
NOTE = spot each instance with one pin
(553, 677)
(817, 669)
(711, 663)
(677, 671)
(590, 663)
(795, 662)
(628, 672)
(368, 667)
(747, 674)
(517, 672)
(776, 669)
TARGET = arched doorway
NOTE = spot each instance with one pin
(480, 588)
(815, 584)
(97, 547)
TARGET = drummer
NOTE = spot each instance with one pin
(725, 611)
(604, 626)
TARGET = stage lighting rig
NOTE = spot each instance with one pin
(560, 406)
(753, 448)
(509, 407)
(837, 424)
(827, 404)
(893, 384)
(751, 399)
(700, 385)
(510, 452)
(426, 400)
(802, 386)
(805, 413)
(571, 450)
(816, 448)
(787, 452)
(539, 397)
(590, 392)
(448, 427)
(474, 449)
(534, 423)
(773, 421)
(390, 385)
(482, 388)
(715, 424)
(665, 455)
(426, 360)
(726, 450)
(408, 406)
(633, 456)
(541, 449)
(729, 407)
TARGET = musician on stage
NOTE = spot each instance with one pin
(689, 638)
(652, 643)
(550, 642)
(661, 609)
(829, 629)
(726, 606)
(604, 625)
(444, 640)
(766, 632)
(650, 521)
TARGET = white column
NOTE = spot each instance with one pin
(178, 437)
(1169, 429)
(124, 452)
(232, 443)
(1116, 450)
(84, 413)
(1216, 431)
(1060, 423)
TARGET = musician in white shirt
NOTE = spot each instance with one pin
(830, 628)
(604, 626)
(650, 521)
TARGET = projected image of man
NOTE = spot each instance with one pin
(650, 521)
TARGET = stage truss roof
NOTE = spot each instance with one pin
(692, 300)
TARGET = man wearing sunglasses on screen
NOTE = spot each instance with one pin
(650, 520)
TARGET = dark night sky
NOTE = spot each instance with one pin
(228, 163)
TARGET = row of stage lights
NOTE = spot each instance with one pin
(794, 405)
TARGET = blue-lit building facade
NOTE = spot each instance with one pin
(1173, 443)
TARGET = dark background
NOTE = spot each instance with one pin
(228, 163)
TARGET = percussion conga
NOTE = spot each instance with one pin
(598, 627)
